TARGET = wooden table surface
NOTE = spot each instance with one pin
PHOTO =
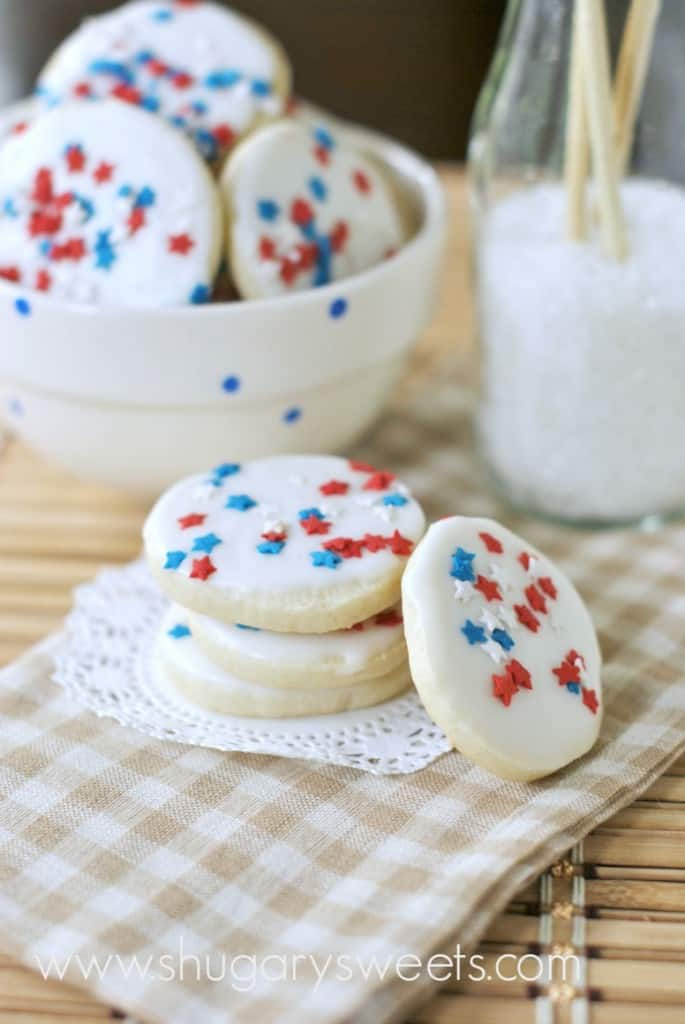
(55, 532)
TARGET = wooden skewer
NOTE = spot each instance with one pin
(577, 153)
(597, 87)
(631, 73)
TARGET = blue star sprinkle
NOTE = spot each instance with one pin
(231, 384)
(318, 188)
(307, 513)
(174, 559)
(178, 631)
(260, 87)
(501, 637)
(473, 633)
(149, 102)
(270, 547)
(222, 79)
(573, 687)
(253, 629)
(112, 67)
(337, 308)
(462, 565)
(146, 197)
(267, 209)
(163, 14)
(324, 138)
(206, 543)
(241, 502)
(200, 293)
(226, 469)
(327, 559)
(23, 307)
(105, 254)
(394, 499)
(292, 415)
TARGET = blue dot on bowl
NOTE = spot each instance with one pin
(292, 415)
(231, 384)
(337, 308)
(23, 307)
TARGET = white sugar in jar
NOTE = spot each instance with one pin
(583, 375)
(577, 166)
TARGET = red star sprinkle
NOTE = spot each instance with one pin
(202, 568)
(545, 583)
(504, 687)
(42, 185)
(18, 127)
(12, 274)
(573, 657)
(182, 80)
(81, 89)
(44, 223)
(301, 212)
(181, 244)
(347, 547)
(400, 545)
(361, 467)
(277, 535)
(491, 543)
(157, 68)
(358, 627)
(362, 182)
(535, 599)
(267, 248)
(339, 235)
(43, 281)
(75, 158)
(388, 618)
(288, 271)
(590, 699)
(524, 559)
(488, 588)
(223, 134)
(374, 542)
(127, 93)
(192, 519)
(520, 674)
(103, 172)
(73, 249)
(526, 617)
(322, 155)
(379, 481)
(312, 524)
(334, 487)
(567, 673)
(136, 219)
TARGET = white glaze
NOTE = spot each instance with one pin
(137, 267)
(542, 728)
(282, 165)
(310, 660)
(281, 486)
(195, 40)
(201, 680)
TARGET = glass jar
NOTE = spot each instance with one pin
(582, 403)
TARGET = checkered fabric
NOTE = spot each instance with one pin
(116, 845)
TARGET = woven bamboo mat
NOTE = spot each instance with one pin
(618, 901)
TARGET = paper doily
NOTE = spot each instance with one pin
(105, 664)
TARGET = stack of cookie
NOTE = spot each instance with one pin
(286, 576)
(152, 169)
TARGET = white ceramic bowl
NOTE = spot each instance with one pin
(138, 398)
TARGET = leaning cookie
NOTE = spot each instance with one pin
(204, 683)
(308, 661)
(210, 72)
(106, 205)
(291, 543)
(502, 649)
(304, 208)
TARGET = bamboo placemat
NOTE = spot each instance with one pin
(619, 899)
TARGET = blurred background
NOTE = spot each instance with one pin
(411, 68)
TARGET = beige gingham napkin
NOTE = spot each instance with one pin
(114, 846)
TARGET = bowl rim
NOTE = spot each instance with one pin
(400, 157)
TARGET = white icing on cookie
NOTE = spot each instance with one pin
(366, 650)
(511, 674)
(305, 209)
(104, 204)
(208, 71)
(205, 683)
(220, 556)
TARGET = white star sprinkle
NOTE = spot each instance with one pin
(463, 590)
(494, 651)
(500, 576)
(489, 620)
(274, 526)
(385, 512)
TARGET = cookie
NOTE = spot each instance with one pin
(200, 680)
(209, 71)
(502, 649)
(104, 204)
(290, 543)
(365, 651)
(304, 209)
